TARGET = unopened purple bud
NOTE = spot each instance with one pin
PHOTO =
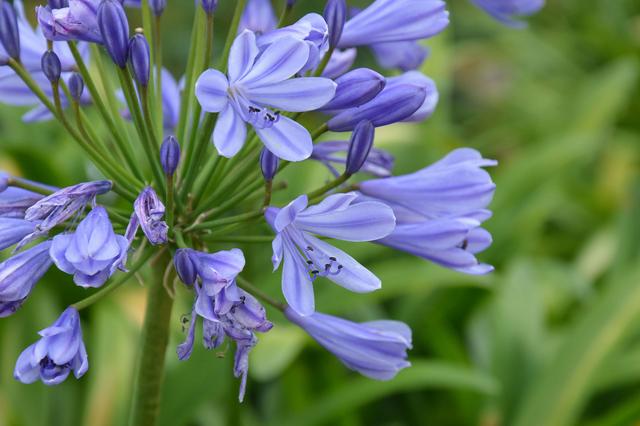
(140, 59)
(269, 164)
(209, 6)
(58, 4)
(360, 146)
(184, 266)
(9, 34)
(390, 106)
(76, 86)
(290, 3)
(4, 181)
(356, 88)
(170, 155)
(335, 13)
(51, 66)
(114, 29)
(157, 6)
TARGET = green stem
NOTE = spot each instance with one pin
(153, 140)
(192, 161)
(232, 201)
(170, 201)
(225, 221)
(255, 239)
(328, 187)
(153, 348)
(158, 74)
(323, 64)
(284, 16)
(246, 285)
(319, 131)
(30, 186)
(231, 35)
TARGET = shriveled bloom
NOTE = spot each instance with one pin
(148, 214)
(508, 11)
(78, 21)
(379, 163)
(225, 309)
(306, 257)
(256, 83)
(376, 349)
(93, 252)
(19, 274)
(59, 352)
(439, 210)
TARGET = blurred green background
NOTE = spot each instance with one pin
(552, 338)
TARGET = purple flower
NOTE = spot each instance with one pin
(14, 202)
(355, 88)
(306, 257)
(341, 61)
(432, 96)
(9, 33)
(506, 11)
(13, 230)
(60, 351)
(170, 155)
(79, 21)
(402, 55)
(257, 82)
(139, 58)
(63, 204)
(387, 21)
(376, 349)
(225, 309)
(148, 214)
(379, 163)
(93, 252)
(439, 210)
(19, 274)
(258, 17)
(114, 29)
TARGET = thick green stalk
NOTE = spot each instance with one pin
(200, 146)
(153, 348)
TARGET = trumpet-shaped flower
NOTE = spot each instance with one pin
(306, 257)
(507, 11)
(256, 83)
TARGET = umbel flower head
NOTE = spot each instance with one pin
(59, 352)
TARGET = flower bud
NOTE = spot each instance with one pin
(76, 86)
(355, 88)
(114, 29)
(51, 66)
(335, 13)
(269, 164)
(9, 35)
(360, 146)
(184, 267)
(392, 105)
(170, 155)
(209, 6)
(58, 4)
(4, 181)
(157, 6)
(139, 57)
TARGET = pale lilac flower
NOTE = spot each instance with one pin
(13, 230)
(79, 21)
(19, 274)
(340, 62)
(432, 96)
(257, 82)
(402, 55)
(258, 17)
(59, 352)
(306, 257)
(376, 349)
(355, 88)
(14, 202)
(93, 252)
(379, 162)
(507, 11)
(148, 214)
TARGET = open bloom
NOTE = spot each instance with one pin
(306, 257)
(507, 11)
(376, 349)
(19, 274)
(93, 252)
(440, 209)
(225, 309)
(59, 352)
(257, 82)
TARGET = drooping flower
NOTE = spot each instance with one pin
(376, 349)
(19, 274)
(440, 209)
(59, 352)
(225, 309)
(379, 163)
(148, 214)
(93, 252)
(306, 257)
(14, 202)
(257, 82)
(508, 11)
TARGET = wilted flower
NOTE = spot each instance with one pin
(148, 214)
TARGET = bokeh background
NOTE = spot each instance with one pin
(551, 338)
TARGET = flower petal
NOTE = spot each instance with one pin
(281, 60)
(211, 90)
(287, 139)
(295, 95)
(242, 55)
(230, 132)
(296, 282)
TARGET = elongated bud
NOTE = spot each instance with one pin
(360, 146)
(335, 13)
(209, 6)
(356, 88)
(76, 86)
(170, 155)
(114, 29)
(51, 66)
(139, 57)
(269, 164)
(58, 4)
(157, 6)
(184, 267)
(9, 35)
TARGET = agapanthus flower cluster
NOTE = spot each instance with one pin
(196, 159)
